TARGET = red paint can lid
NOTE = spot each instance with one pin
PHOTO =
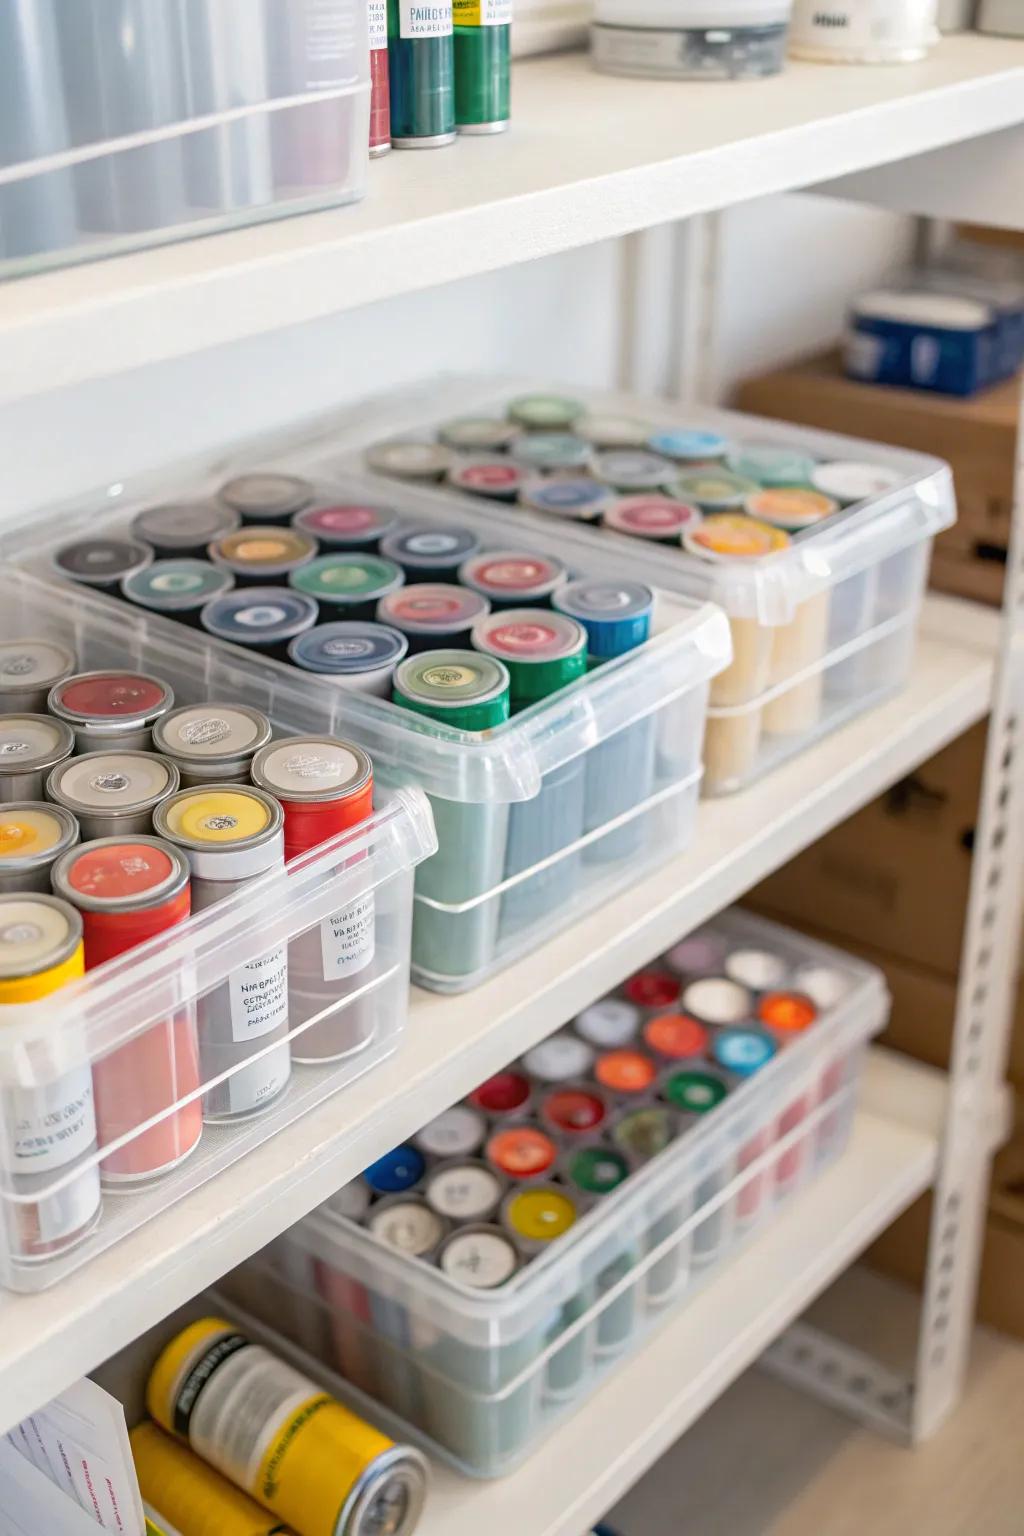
(653, 989)
(110, 695)
(120, 874)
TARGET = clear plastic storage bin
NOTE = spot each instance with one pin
(480, 1374)
(121, 1091)
(822, 630)
(540, 819)
(127, 122)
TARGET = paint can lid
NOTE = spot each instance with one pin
(480, 1257)
(598, 1170)
(347, 578)
(410, 459)
(539, 1215)
(625, 1071)
(33, 833)
(581, 499)
(615, 614)
(115, 874)
(348, 648)
(36, 934)
(502, 575)
(113, 783)
(311, 769)
(396, 1171)
(543, 650)
(430, 546)
(406, 1224)
(457, 1132)
(792, 508)
(559, 1059)
(633, 469)
(101, 562)
(30, 743)
(499, 478)
(463, 1191)
(552, 451)
(608, 1023)
(734, 536)
(743, 1051)
(849, 482)
(211, 734)
(715, 489)
(259, 615)
(263, 551)
(545, 413)
(464, 688)
(184, 525)
(432, 608)
(696, 1093)
(117, 698)
(32, 665)
(652, 517)
(688, 445)
(770, 463)
(478, 434)
(266, 494)
(347, 523)
(173, 585)
(606, 430)
(217, 825)
(644, 1132)
(522, 1151)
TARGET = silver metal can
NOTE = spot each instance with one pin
(111, 710)
(30, 746)
(212, 743)
(33, 835)
(113, 794)
(28, 670)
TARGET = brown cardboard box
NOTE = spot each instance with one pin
(977, 436)
(895, 876)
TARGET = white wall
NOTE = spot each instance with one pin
(789, 265)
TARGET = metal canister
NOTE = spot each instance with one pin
(111, 711)
(543, 651)
(355, 655)
(28, 670)
(264, 619)
(32, 837)
(512, 579)
(178, 589)
(430, 551)
(212, 743)
(262, 556)
(102, 563)
(185, 1490)
(433, 615)
(184, 529)
(266, 496)
(230, 836)
(354, 525)
(347, 585)
(128, 890)
(112, 794)
(45, 1128)
(30, 745)
(316, 1465)
(325, 787)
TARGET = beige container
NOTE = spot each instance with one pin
(732, 737)
(798, 649)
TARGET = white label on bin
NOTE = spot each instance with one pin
(70, 1209)
(260, 1081)
(347, 939)
(259, 996)
(378, 15)
(48, 1127)
(425, 18)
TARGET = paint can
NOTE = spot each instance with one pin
(433, 615)
(356, 655)
(347, 585)
(421, 60)
(177, 589)
(30, 747)
(102, 563)
(184, 530)
(111, 711)
(112, 794)
(33, 836)
(28, 670)
(211, 743)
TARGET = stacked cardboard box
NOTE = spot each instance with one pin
(977, 436)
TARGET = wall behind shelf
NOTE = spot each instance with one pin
(790, 264)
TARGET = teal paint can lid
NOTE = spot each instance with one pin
(347, 578)
(543, 651)
(552, 451)
(463, 689)
(689, 445)
(545, 413)
(478, 434)
(176, 586)
(770, 463)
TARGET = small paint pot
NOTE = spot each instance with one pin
(30, 747)
(456, 1133)
(212, 743)
(347, 586)
(478, 434)
(261, 556)
(482, 1257)
(653, 988)
(609, 1024)
(102, 563)
(111, 711)
(33, 835)
(521, 1152)
(357, 527)
(573, 1111)
(354, 654)
(433, 615)
(410, 459)
(545, 413)
(266, 497)
(497, 479)
(264, 619)
(28, 670)
(183, 530)
(512, 579)
(643, 1133)
(113, 794)
(552, 452)
(578, 500)
(675, 1037)
(717, 1000)
(626, 1073)
(689, 445)
(538, 1216)
(397, 1171)
(463, 1190)
(850, 482)
(506, 1093)
(559, 1060)
(659, 519)
(408, 1224)
(633, 469)
(430, 552)
(758, 969)
(177, 589)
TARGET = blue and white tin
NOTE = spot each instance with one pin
(615, 614)
(944, 342)
(358, 656)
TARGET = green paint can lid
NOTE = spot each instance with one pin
(542, 650)
(695, 1092)
(545, 413)
(345, 578)
(460, 688)
(598, 1170)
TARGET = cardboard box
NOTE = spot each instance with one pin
(976, 436)
(896, 876)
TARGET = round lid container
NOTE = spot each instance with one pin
(117, 874)
(347, 580)
(110, 700)
(717, 1000)
(652, 517)
(539, 1215)
(700, 952)
(598, 1170)
(433, 609)
(689, 445)
(550, 451)
(545, 413)
(574, 1111)
(348, 648)
(522, 1152)
(791, 507)
(176, 586)
(229, 832)
(462, 688)
(615, 614)
(503, 1094)
(260, 552)
(37, 933)
(653, 988)
(478, 434)
(823, 984)
(644, 1132)
(33, 666)
(112, 783)
(33, 743)
(787, 1013)
(695, 1093)
(625, 1071)
(408, 1224)
(312, 769)
(395, 1172)
(771, 463)
(456, 1132)
(848, 481)
(260, 616)
(480, 1257)
(559, 1059)
(582, 500)
(347, 525)
(603, 430)
(509, 578)
(211, 738)
(713, 490)
(758, 969)
(427, 550)
(675, 1036)
(743, 1051)
(410, 459)
(266, 496)
(543, 651)
(463, 1191)
(179, 527)
(501, 479)
(734, 536)
(100, 562)
(33, 833)
(608, 1023)
(633, 469)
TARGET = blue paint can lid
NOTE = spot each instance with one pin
(348, 648)
(430, 546)
(582, 499)
(615, 614)
(689, 445)
(259, 615)
(397, 1171)
(743, 1051)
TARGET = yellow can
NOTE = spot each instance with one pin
(274, 1434)
(192, 1496)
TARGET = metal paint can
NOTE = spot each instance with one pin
(111, 711)
(112, 794)
(28, 670)
(177, 530)
(30, 746)
(212, 743)
(102, 563)
(33, 836)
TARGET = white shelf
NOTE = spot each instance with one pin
(588, 158)
(51, 1339)
(586, 1464)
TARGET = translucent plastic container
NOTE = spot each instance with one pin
(129, 1047)
(539, 819)
(128, 122)
(822, 630)
(479, 1375)
(692, 40)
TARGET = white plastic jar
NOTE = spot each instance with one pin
(863, 31)
(690, 39)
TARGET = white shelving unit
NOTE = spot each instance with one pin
(590, 159)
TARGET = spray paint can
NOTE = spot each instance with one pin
(421, 59)
(48, 1127)
(173, 1480)
(231, 836)
(380, 84)
(483, 68)
(325, 787)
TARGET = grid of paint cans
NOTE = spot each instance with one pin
(815, 546)
(478, 1278)
(121, 816)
